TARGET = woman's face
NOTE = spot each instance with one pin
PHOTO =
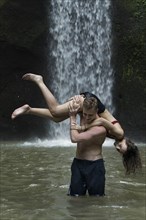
(121, 146)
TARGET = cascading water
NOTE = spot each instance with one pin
(81, 49)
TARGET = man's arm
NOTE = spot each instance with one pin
(115, 132)
(77, 137)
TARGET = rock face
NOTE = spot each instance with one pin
(23, 44)
(129, 52)
(24, 47)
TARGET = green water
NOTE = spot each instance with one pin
(34, 182)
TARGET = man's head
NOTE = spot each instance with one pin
(90, 107)
(130, 154)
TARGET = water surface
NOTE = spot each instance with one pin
(34, 182)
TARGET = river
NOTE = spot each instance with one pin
(34, 182)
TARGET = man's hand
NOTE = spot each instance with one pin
(74, 105)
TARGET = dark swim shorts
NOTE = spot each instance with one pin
(101, 106)
(88, 176)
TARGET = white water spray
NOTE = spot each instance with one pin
(81, 48)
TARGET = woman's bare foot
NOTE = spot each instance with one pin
(33, 77)
(20, 111)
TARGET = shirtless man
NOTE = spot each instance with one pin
(87, 170)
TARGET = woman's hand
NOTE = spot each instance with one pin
(74, 105)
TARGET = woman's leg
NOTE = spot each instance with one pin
(55, 108)
(55, 112)
(41, 112)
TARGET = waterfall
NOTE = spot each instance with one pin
(81, 50)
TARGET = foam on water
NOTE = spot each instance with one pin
(36, 142)
(58, 143)
(133, 183)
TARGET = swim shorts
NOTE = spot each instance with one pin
(101, 106)
(88, 176)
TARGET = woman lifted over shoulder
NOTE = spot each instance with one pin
(59, 112)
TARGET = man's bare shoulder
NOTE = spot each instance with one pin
(97, 130)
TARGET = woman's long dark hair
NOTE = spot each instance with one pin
(131, 158)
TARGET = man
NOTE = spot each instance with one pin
(88, 171)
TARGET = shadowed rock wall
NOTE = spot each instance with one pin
(23, 48)
(129, 61)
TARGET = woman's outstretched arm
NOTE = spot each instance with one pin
(114, 129)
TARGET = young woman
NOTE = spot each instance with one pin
(59, 112)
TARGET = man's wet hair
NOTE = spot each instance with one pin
(90, 103)
(101, 106)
